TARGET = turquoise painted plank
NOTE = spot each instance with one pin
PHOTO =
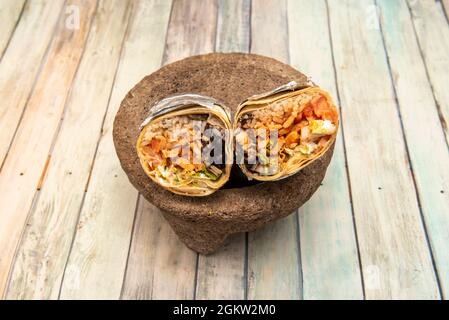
(222, 274)
(10, 12)
(166, 268)
(395, 257)
(274, 271)
(425, 138)
(98, 258)
(432, 30)
(328, 244)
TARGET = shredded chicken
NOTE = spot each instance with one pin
(172, 149)
(304, 124)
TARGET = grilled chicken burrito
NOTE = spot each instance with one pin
(185, 146)
(280, 132)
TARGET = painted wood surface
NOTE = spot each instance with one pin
(172, 264)
(184, 37)
(54, 218)
(233, 26)
(90, 247)
(10, 12)
(394, 252)
(426, 144)
(25, 165)
(72, 226)
(329, 256)
(446, 7)
(431, 27)
(223, 275)
(20, 65)
(106, 219)
(159, 266)
(274, 269)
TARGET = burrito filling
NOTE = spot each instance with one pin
(170, 149)
(304, 123)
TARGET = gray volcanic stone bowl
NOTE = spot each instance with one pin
(204, 223)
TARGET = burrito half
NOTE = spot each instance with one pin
(184, 145)
(280, 132)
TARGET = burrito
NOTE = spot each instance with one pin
(280, 132)
(185, 146)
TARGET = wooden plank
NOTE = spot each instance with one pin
(159, 266)
(175, 278)
(432, 30)
(20, 65)
(97, 261)
(222, 275)
(329, 254)
(422, 125)
(26, 161)
(394, 252)
(10, 12)
(46, 242)
(233, 26)
(446, 8)
(192, 29)
(274, 271)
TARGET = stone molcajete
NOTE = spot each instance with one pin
(204, 223)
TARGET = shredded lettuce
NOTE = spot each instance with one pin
(205, 174)
(263, 159)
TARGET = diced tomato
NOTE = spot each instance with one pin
(292, 137)
(296, 127)
(320, 106)
(308, 111)
(323, 110)
(331, 115)
(317, 100)
(155, 145)
(298, 118)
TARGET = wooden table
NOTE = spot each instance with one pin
(72, 226)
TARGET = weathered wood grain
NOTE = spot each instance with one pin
(46, 242)
(160, 266)
(425, 138)
(446, 7)
(97, 261)
(233, 26)
(26, 162)
(191, 30)
(175, 278)
(222, 275)
(9, 15)
(20, 65)
(432, 30)
(274, 271)
(394, 252)
(329, 255)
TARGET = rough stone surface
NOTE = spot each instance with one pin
(203, 223)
